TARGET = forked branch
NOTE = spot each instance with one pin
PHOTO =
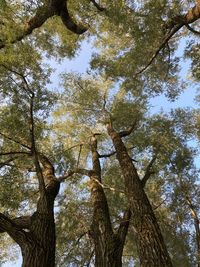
(13, 229)
(42, 14)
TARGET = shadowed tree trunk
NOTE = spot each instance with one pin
(108, 243)
(195, 218)
(36, 234)
(150, 244)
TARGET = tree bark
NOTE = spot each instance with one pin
(108, 244)
(36, 234)
(39, 249)
(196, 226)
(150, 244)
(43, 13)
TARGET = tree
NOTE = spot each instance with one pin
(119, 62)
(87, 111)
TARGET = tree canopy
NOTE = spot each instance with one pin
(89, 174)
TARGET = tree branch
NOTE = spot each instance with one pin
(43, 13)
(47, 165)
(192, 30)
(72, 172)
(155, 207)
(14, 153)
(162, 45)
(193, 14)
(15, 141)
(104, 186)
(107, 155)
(98, 6)
(175, 25)
(23, 222)
(128, 131)
(148, 172)
(69, 22)
(6, 163)
(80, 144)
(79, 155)
(13, 229)
(124, 225)
(34, 150)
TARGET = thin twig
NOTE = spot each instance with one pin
(14, 140)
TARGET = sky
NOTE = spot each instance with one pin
(80, 64)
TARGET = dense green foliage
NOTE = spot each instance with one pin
(126, 37)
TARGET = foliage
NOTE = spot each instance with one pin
(125, 36)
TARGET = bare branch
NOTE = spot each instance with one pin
(162, 45)
(148, 172)
(14, 153)
(128, 131)
(90, 258)
(72, 172)
(34, 150)
(104, 186)
(192, 29)
(157, 206)
(21, 75)
(107, 155)
(15, 141)
(69, 22)
(79, 155)
(98, 6)
(80, 144)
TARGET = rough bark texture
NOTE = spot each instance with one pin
(196, 226)
(39, 248)
(36, 234)
(108, 245)
(150, 244)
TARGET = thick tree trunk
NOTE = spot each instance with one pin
(196, 226)
(108, 245)
(109, 253)
(150, 244)
(36, 234)
(39, 250)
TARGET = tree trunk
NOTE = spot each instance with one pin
(39, 250)
(196, 226)
(108, 245)
(36, 234)
(108, 253)
(150, 244)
